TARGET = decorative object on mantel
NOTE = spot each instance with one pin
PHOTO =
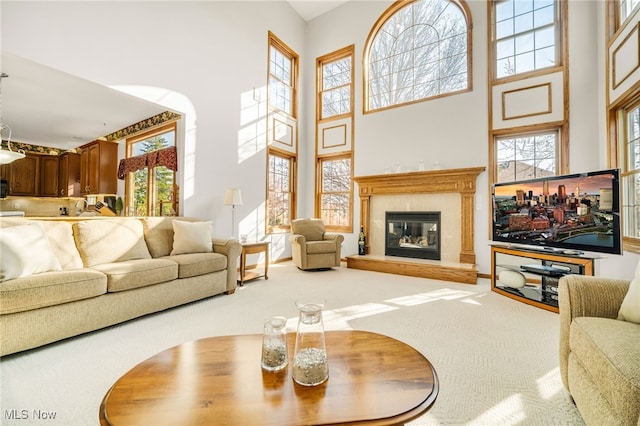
(310, 364)
(7, 155)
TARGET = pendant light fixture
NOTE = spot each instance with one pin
(7, 155)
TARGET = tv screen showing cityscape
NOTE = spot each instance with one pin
(578, 212)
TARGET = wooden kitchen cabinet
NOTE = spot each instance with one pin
(99, 168)
(48, 176)
(25, 176)
(69, 175)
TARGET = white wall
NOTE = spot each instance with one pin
(210, 52)
(214, 52)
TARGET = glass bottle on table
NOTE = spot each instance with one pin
(274, 344)
(310, 363)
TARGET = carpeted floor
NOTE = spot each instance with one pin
(496, 358)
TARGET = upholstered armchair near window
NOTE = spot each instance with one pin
(312, 247)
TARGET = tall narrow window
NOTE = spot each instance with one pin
(151, 190)
(280, 194)
(527, 35)
(417, 50)
(336, 87)
(334, 139)
(335, 195)
(282, 139)
(526, 157)
(631, 171)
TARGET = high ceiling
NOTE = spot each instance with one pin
(47, 107)
(310, 9)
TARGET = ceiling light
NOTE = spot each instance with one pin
(7, 155)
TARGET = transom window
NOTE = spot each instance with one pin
(336, 88)
(417, 50)
(526, 157)
(526, 34)
(281, 82)
(626, 7)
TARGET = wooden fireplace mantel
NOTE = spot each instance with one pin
(462, 181)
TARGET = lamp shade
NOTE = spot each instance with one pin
(233, 197)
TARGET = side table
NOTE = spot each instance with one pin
(253, 248)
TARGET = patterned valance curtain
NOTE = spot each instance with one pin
(167, 157)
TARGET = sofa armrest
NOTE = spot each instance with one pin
(232, 249)
(586, 296)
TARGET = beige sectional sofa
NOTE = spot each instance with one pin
(600, 348)
(97, 272)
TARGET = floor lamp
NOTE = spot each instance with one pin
(233, 198)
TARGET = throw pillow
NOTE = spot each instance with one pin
(191, 237)
(102, 241)
(25, 251)
(630, 308)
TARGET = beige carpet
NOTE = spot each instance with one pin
(496, 358)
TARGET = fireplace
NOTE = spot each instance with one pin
(451, 191)
(412, 234)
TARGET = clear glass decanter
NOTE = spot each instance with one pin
(274, 344)
(310, 365)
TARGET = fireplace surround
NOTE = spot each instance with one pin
(458, 260)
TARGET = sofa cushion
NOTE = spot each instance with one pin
(110, 240)
(608, 349)
(25, 251)
(630, 308)
(158, 232)
(321, 247)
(312, 229)
(191, 237)
(194, 264)
(50, 288)
(60, 235)
(135, 273)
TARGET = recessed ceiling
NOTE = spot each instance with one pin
(47, 107)
(310, 9)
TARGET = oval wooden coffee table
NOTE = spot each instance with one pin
(373, 379)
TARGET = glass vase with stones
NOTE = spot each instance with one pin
(310, 365)
(274, 344)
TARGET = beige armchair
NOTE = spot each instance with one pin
(312, 247)
(599, 354)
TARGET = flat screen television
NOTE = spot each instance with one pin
(570, 214)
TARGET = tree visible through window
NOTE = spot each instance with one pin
(151, 191)
(418, 51)
(279, 192)
(526, 36)
(335, 196)
(526, 157)
(282, 151)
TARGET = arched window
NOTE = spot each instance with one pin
(417, 50)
